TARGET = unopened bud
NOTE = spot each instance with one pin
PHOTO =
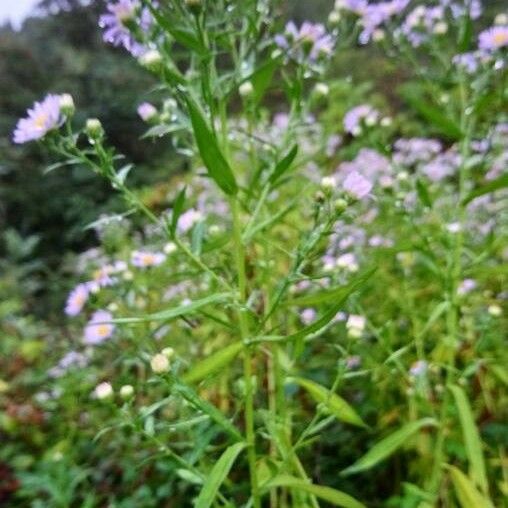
(126, 391)
(246, 89)
(151, 59)
(94, 128)
(67, 104)
(159, 363)
(322, 89)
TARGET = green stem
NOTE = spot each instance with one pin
(247, 355)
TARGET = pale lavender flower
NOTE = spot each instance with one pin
(309, 41)
(147, 111)
(42, 117)
(76, 300)
(187, 220)
(419, 368)
(353, 362)
(375, 15)
(347, 261)
(99, 328)
(145, 259)
(356, 185)
(466, 286)
(281, 121)
(468, 61)
(307, 316)
(67, 362)
(356, 117)
(115, 24)
(493, 38)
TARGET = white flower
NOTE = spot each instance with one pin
(328, 183)
(322, 89)
(453, 227)
(103, 391)
(160, 363)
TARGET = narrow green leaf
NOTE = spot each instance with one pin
(471, 438)
(177, 210)
(198, 403)
(175, 312)
(438, 311)
(261, 79)
(335, 295)
(335, 404)
(215, 362)
(492, 186)
(217, 475)
(423, 193)
(336, 497)
(284, 164)
(183, 36)
(217, 166)
(387, 446)
(197, 238)
(435, 116)
(466, 492)
(466, 33)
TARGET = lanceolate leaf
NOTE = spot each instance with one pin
(387, 446)
(214, 363)
(177, 210)
(492, 186)
(217, 475)
(466, 492)
(471, 438)
(175, 312)
(335, 497)
(198, 403)
(261, 79)
(335, 404)
(215, 162)
(284, 164)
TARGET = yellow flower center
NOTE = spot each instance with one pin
(40, 120)
(501, 38)
(102, 330)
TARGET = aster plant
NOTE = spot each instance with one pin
(267, 255)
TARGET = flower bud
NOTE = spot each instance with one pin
(103, 391)
(495, 310)
(160, 363)
(321, 89)
(246, 89)
(168, 352)
(67, 104)
(194, 5)
(169, 248)
(378, 35)
(126, 392)
(340, 205)
(151, 60)
(328, 183)
(334, 18)
(94, 129)
(501, 19)
(440, 28)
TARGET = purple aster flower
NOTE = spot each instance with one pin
(99, 328)
(42, 118)
(353, 362)
(355, 117)
(147, 111)
(311, 41)
(356, 185)
(145, 259)
(493, 38)
(76, 300)
(115, 24)
(468, 61)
